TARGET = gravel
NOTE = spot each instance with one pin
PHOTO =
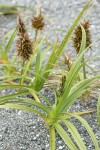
(20, 130)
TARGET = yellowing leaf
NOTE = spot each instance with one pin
(4, 61)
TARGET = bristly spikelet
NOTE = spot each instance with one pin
(78, 36)
(38, 23)
(24, 47)
(38, 20)
(67, 61)
(23, 43)
(20, 26)
(62, 86)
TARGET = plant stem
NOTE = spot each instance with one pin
(52, 138)
(84, 70)
(21, 80)
(34, 95)
(36, 33)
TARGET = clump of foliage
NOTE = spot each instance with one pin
(30, 75)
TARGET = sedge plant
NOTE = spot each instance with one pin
(77, 38)
(55, 115)
(32, 81)
(30, 68)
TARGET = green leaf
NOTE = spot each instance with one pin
(72, 129)
(45, 99)
(65, 137)
(14, 98)
(73, 73)
(10, 43)
(14, 86)
(88, 128)
(98, 111)
(44, 54)
(38, 61)
(82, 87)
(9, 33)
(39, 53)
(12, 77)
(2, 43)
(11, 96)
(8, 9)
(21, 107)
(76, 65)
(83, 43)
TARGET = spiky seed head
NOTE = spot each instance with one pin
(20, 26)
(62, 86)
(67, 60)
(24, 47)
(23, 43)
(78, 35)
(38, 20)
(38, 23)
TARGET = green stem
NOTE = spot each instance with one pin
(21, 80)
(36, 33)
(52, 138)
(34, 95)
(84, 70)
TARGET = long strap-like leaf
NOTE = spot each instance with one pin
(98, 111)
(77, 92)
(22, 107)
(88, 128)
(63, 134)
(72, 129)
(73, 72)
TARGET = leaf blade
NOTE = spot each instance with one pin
(72, 129)
(98, 111)
(88, 128)
(65, 136)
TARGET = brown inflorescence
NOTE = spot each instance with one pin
(24, 47)
(67, 61)
(78, 36)
(24, 44)
(62, 86)
(38, 21)
(20, 26)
